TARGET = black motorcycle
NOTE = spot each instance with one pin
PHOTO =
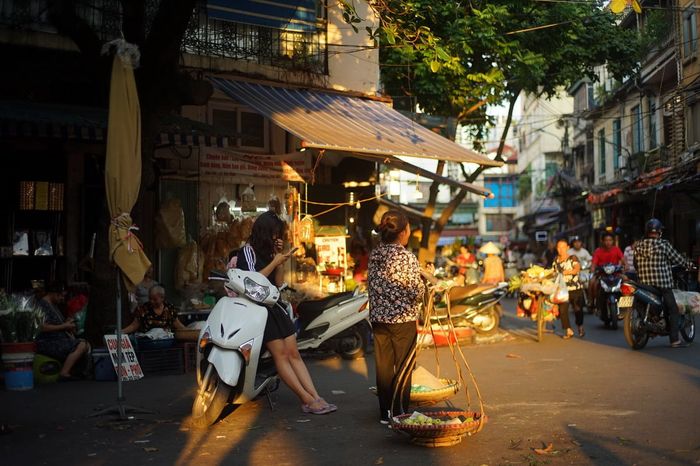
(477, 306)
(609, 284)
(645, 314)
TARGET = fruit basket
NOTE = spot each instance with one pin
(438, 428)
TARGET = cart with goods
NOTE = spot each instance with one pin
(535, 286)
(437, 426)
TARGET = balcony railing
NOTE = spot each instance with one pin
(205, 36)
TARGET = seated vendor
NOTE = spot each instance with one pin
(156, 313)
(57, 338)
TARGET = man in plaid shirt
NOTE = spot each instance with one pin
(653, 258)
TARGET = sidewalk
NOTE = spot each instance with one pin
(593, 399)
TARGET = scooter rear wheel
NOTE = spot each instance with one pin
(210, 400)
(489, 321)
(354, 344)
(635, 333)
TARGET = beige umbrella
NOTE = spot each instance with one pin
(123, 172)
(122, 182)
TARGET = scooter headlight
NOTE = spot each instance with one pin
(255, 291)
(609, 269)
(245, 349)
(204, 340)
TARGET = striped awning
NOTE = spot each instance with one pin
(89, 124)
(339, 122)
(39, 120)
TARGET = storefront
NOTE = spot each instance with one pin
(294, 142)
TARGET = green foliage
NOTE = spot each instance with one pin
(20, 319)
(456, 58)
(524, 185)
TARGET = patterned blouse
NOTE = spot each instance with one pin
(149, 319)
(394, 284)
(572, 281)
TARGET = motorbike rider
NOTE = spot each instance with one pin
(653, 258)
(607, 253)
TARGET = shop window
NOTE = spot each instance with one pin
(503, 190)
(694, 124)
(498, 222)
(637, 130)
(250, 129)
(690, 32)
(652, 122)
(617, 143)
(601, 152)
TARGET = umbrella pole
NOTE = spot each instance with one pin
(120, 408)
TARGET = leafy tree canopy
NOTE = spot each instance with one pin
(457, 58)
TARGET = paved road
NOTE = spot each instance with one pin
(594, 399)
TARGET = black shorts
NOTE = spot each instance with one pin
(279, 325)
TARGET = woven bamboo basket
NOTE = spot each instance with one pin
(439, 435)
(450, 388)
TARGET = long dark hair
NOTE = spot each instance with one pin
(266, 228)
(392, 224)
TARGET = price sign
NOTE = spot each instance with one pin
(129, 369)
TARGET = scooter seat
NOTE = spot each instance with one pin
(653, 289)
(460, 292)
(309, 310)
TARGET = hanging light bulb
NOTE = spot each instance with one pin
(357, 206)
(418, 194)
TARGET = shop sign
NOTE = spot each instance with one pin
(295, 166)
(129, 369)
(330, 250)
(541, 236)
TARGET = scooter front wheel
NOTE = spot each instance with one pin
(211, 399)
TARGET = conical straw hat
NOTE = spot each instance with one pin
(489, 248)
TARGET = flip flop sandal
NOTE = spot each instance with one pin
(323, 410)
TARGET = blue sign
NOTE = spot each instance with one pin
(291, 15)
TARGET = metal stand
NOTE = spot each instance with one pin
(120, 408)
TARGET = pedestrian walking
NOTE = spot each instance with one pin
(569, 266)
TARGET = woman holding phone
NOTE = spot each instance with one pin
(263, 253)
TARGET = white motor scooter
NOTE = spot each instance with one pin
(337, 323)
(230, 366)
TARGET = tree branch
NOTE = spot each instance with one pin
(63, 16)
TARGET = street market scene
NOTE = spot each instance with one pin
(349, 232)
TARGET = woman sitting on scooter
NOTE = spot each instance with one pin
(263, 253)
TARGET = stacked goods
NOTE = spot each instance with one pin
(534, 282)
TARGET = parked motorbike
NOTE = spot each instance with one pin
(337, 323)
(477, 306)
(609, 283)
(232, 365)
(645, 313)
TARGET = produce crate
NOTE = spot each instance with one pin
(190, 350)
(166, 361)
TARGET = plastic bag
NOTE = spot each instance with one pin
(189, 265)
(561, 294)
(688, 302)
(170, 225)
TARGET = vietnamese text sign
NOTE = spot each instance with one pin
(287, 167)
(129, 368)
(330, 250)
